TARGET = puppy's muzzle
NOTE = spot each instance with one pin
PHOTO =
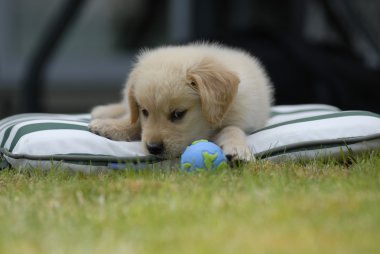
(155, 148)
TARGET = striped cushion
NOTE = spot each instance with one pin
(293, 132)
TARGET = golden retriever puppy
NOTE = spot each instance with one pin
(178, 94)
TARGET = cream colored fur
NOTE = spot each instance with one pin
(225, 93)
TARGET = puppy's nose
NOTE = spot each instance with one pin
(155, 148)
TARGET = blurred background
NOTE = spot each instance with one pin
(66, 56)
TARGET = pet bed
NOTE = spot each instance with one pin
(293, 132)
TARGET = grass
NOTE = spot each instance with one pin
(314, 207)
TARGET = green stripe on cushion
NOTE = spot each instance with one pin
(277, 113)
(83, 157)
(9, 124)
(6, 136)
(314, 146)
(11, 121)
(42, 127)
(321, 117)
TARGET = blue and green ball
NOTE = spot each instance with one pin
(203, 155)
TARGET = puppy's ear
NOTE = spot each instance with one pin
(130, 95)
(216, 85)
(133, 106)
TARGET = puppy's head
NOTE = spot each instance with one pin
(178, 104)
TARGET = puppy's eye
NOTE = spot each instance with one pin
(177, 115)
(145, 112)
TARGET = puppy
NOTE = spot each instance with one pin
(178, 94)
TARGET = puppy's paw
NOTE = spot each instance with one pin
(108, 111)
(109, 128)
(237, 154)
(100, 112)
(232, 140)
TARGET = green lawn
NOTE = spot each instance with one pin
(314, 207)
